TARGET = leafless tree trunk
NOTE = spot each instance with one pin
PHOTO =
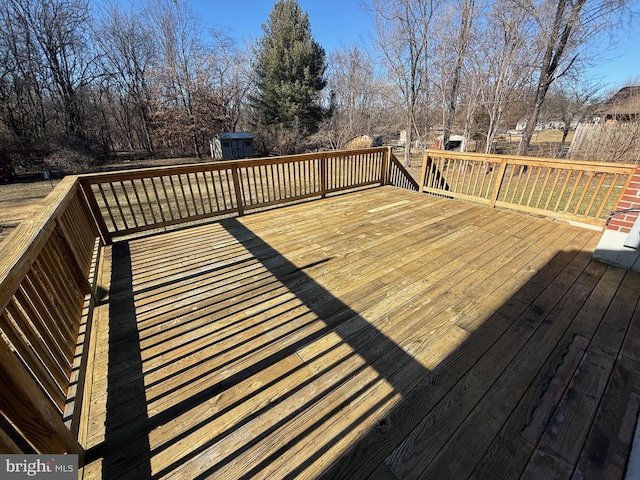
(55, 34)
(403, 29)
(232, 78)
(454, 50)
(557, 36)
(563, 27)
(471, 95)
(127, 54)
(357, 98)
(181, 79)
(507, 58)
(22, 105)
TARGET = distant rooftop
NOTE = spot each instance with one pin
(625, 102)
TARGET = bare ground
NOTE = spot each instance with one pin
(20, 199)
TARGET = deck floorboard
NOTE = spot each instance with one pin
(376, 334)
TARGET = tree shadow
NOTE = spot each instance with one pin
(125, 406)
(221, 363)
(314, 313)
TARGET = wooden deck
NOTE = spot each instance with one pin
(378, 334)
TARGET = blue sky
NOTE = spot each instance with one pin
(336, 23)
(333, 22)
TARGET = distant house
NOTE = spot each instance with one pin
(551, 124)
(554, 124)
(232, 145)
(624, 106)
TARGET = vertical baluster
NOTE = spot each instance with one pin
(573, 191)
(595, 194)
(564, 187)
(544, 185)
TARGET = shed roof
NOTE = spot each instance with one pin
(234, 135)
(453, 138)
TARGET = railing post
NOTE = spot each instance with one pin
(423, 173)
(385, 174)
(618, 243)
(95, 212)
(323, 176)
(496, 188)
(238, 190)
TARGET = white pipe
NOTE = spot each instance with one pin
(633, 239)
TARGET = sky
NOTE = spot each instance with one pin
(340, 23)
(334, 23)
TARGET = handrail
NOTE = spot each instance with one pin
(574, 190)
(46, 268)
(399, 176)
(130, 202)
(48, 264)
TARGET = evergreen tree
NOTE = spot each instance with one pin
(289, 67)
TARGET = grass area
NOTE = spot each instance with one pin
(19, 200)
(544, 136)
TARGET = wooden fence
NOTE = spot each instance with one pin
(129, 202)
(573, 190)
(607, 142)
(47, 267)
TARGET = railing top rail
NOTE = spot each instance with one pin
(575, 190)
(221, 165)
(23, 245)
(524, 160)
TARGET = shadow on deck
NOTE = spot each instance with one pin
(379, 334)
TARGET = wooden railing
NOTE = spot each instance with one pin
(48, 264)
(47, 267)
(579, 191)
(126, 203)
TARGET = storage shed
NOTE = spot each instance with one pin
(456, 143)
(232, 145)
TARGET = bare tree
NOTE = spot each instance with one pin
(127, 54)
(54, 33)
(22, 103)
(232, 77)
(59, 29)
(182, 78)
(505, 60)
(563, 27)
(471, 91)
(403, 28)
(459, 16)
(357, 96)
